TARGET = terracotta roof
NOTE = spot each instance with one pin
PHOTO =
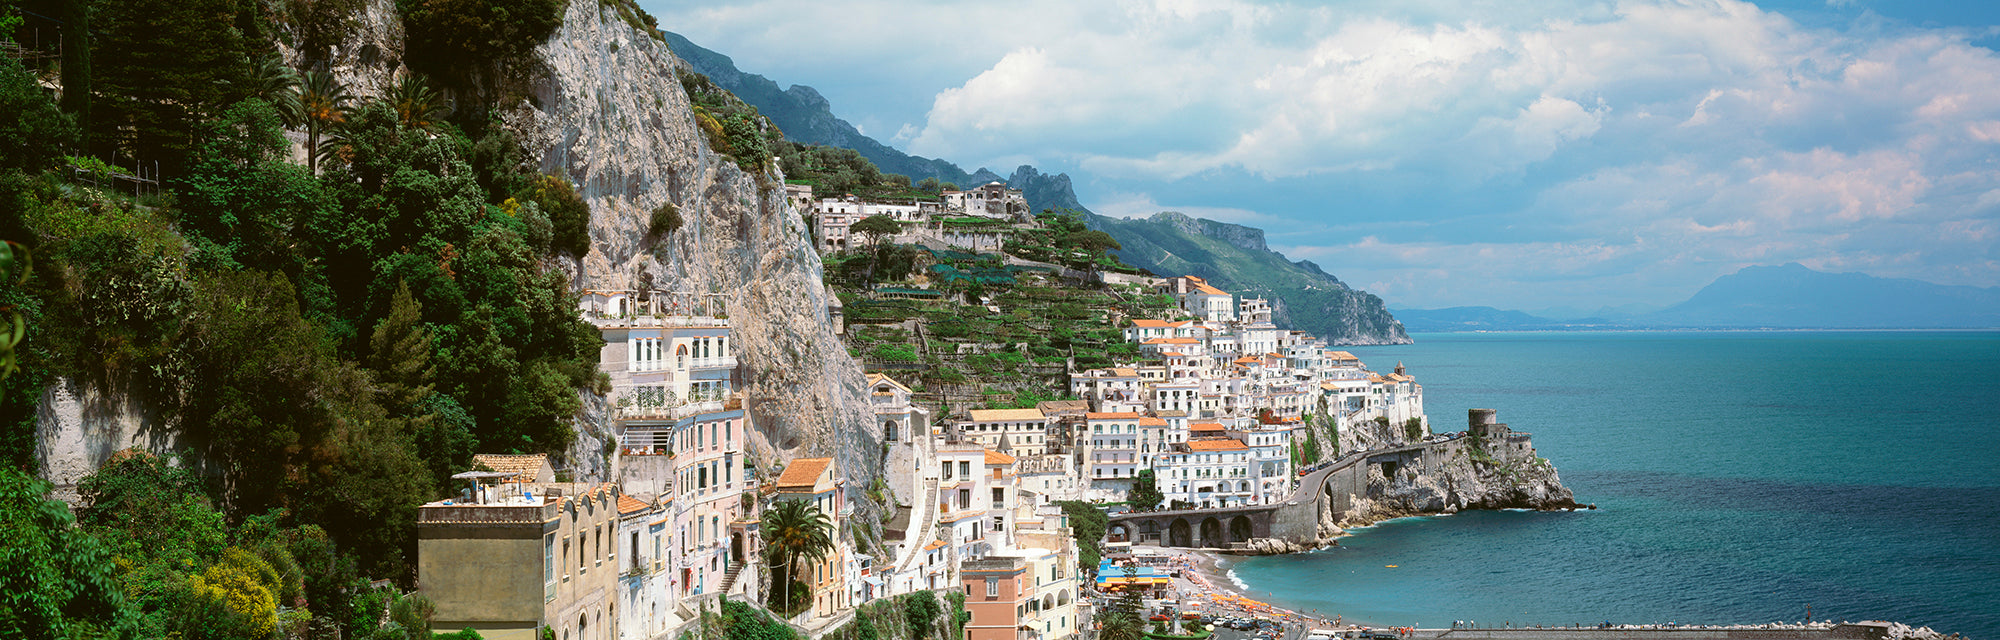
(522, 466)
(1172, 414)
(1122, 415)
(1150, 324)
(1205, 426)
(1175, 341)
(1216, 445)
(628, 504)
(995, 457)
(876, 378)
(934, 545)
(1125, 373)
(1247, 360)
(1153, 341)
(1175, 354)
(1203, 287)
(1150, 421)
(1341, 355)
(996, 415)
(803, 473)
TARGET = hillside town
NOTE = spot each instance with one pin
(691, 513)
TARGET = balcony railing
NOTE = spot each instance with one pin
(664, 404)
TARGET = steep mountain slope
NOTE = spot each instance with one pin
(1793, 296)
(1235, 258)
(615, 121)
(806, 116)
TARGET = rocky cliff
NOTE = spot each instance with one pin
(1490, 467)
(610, 115)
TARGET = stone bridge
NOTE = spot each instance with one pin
(1330, 488)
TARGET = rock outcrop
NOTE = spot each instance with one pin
(611, 116)
(1491, 467)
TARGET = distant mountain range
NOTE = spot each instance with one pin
(806, 116)
(1235, 258)
(1790, 296)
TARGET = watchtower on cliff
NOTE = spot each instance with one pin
(1484, 424)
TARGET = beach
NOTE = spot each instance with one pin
(1205, 585)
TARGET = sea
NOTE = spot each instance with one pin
(1739, 477)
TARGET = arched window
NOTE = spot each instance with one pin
(889, 430)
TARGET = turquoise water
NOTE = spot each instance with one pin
(1740, 477)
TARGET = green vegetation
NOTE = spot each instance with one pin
(1087, 523)
(328, 342)
(835, 171)
(1145, 495)
(794, 530)
(734, 128)
(1413, 429)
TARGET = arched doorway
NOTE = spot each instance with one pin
(889, 431)
(1239, 528)
(1178, 534)
(1211, 533)
(1118, 533)
(736, 547)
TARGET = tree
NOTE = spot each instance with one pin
(322, 106)
(176, 62)
(1145, 494)
(794, 530)
(32, 129)
(60, 581)
(877, 227)
(417, 105)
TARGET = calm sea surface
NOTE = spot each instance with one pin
(1739, 477)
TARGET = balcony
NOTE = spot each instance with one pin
(724, 362)
(667, 405)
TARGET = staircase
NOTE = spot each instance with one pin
(729, 577)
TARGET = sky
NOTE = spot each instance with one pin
(1521, 155)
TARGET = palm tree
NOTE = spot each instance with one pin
(277, 84)
(1118, 625)
(417, 105)
(795, 530)
(322, 105)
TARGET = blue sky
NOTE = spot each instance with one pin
(1514, 154)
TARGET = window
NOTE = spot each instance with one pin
(549, 566)
(992, 586)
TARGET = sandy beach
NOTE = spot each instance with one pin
(1205, 586)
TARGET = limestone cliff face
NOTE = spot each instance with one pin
(610, 115)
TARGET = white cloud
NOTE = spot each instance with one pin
(1629, 150)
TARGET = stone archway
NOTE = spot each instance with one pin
(1240, 529)
(1149, 531)
(1211, 534)
(1118, 533)
(1179, 534)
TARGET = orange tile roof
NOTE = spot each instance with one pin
(522, 466)
(1205, 426)
(934, 545)
(1125, 373)
(1177, 341)
(803, 473)
(1176, 354)
(995, 457)
(1342, 355)
(1122, 415)
(1150, 421)
(628, 504)
(1150, 324)
(1247, 360)
(1153, 341)
(1203, 287)
(1216, 445)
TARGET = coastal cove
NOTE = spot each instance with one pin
(1740, 476)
